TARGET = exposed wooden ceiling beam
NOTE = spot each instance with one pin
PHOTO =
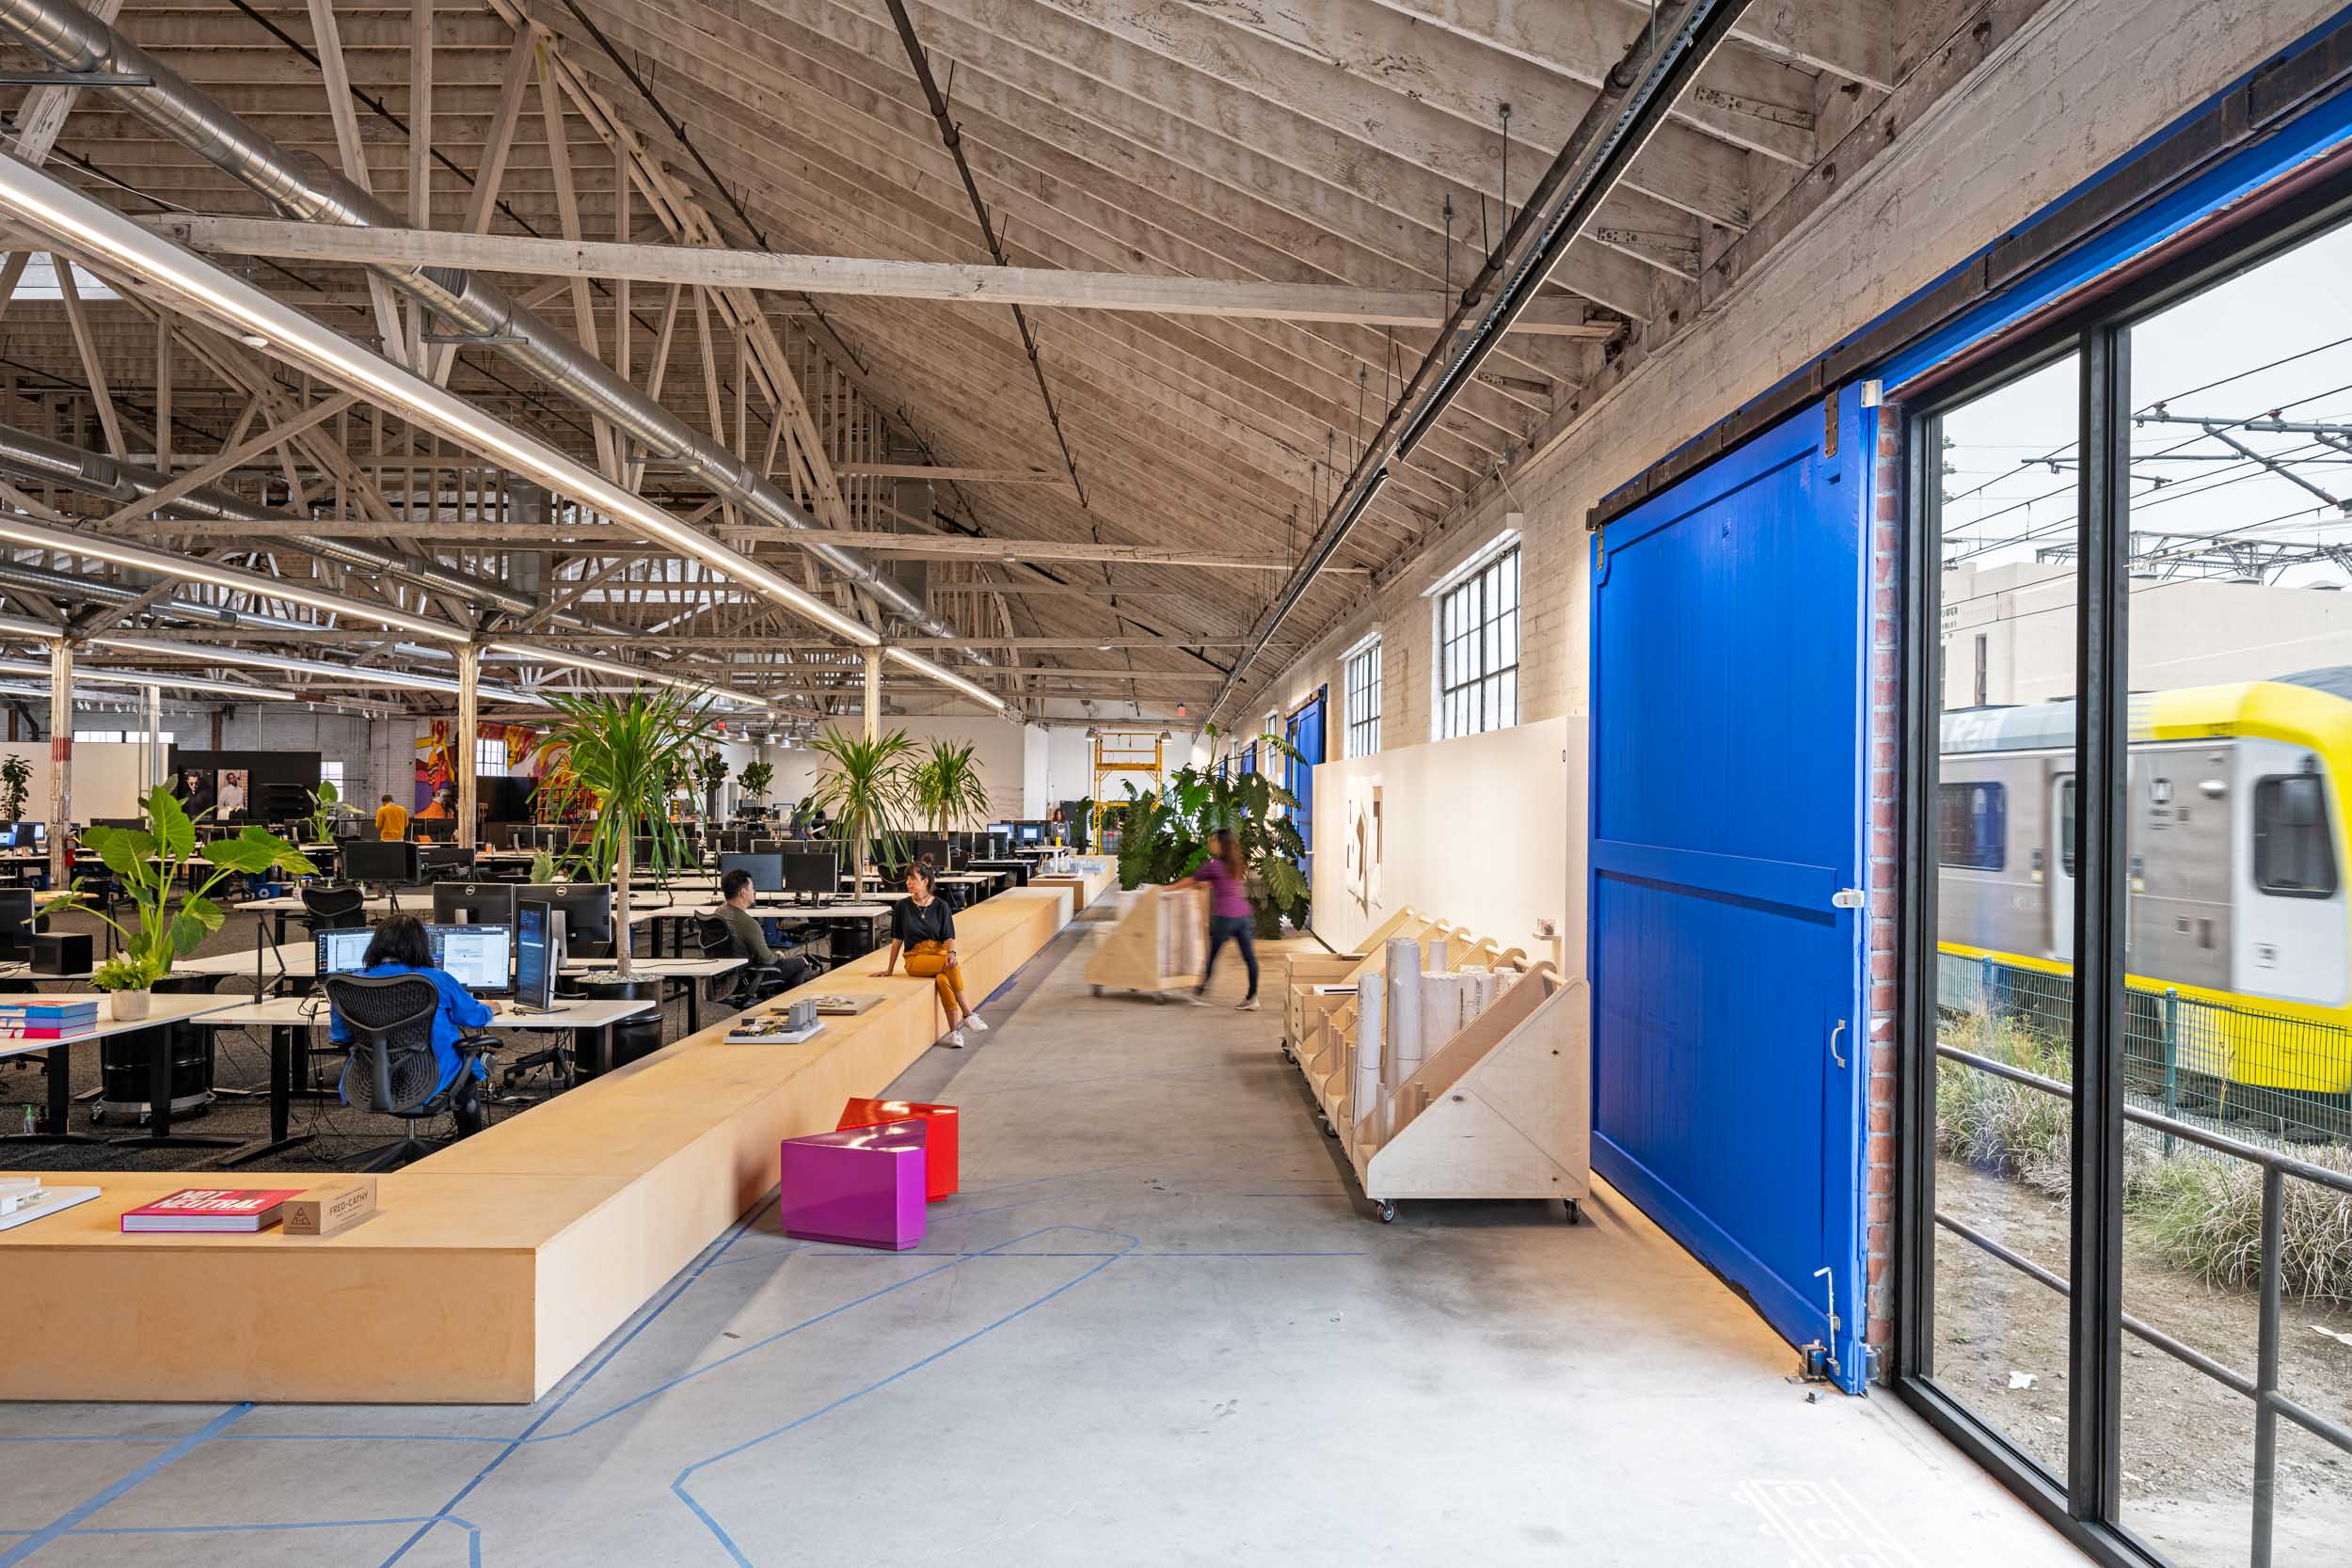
(946, 282)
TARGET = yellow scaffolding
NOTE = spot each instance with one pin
(1118, 754)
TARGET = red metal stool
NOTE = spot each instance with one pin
(942, 1172)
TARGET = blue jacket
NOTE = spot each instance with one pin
(460, 1010)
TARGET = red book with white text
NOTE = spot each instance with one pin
(211, 1209)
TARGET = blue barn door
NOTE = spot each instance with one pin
(1305, 733)
(1728, 760)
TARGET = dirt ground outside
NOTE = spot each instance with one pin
(2188, 1460)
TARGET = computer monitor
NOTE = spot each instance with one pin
(940, 847)
(1032, 833)
(768, 871)
(432, 829)
(473, 903)
(444, 861)
(534, 955)
(771, 845)
(585, 911)
(344, 952)
(16, 923)
(367, 860)
(479, 957)
(818, 874)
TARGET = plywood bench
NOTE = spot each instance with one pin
(494, 1265)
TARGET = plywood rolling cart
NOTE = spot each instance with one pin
(1496, 1107)
(1158, 947)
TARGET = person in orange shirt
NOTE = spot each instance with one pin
(391, 821)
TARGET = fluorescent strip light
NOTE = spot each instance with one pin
(945, 676)
(406, 680)
(63, 213)
(23, 530)
(136, 677)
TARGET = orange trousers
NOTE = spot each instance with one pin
(945, 977)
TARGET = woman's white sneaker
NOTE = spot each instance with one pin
(978, 1025)
(954, 1040)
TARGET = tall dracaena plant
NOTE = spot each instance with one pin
(149, 862)
(865, 787)
(624, 750)
(947, 786)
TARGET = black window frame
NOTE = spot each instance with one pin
(2085, 1502)
(1360, 725)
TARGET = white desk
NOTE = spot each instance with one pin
(162, 1011)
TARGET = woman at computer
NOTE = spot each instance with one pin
(401, 946)
(923, 925)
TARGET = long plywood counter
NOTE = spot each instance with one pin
(493, 1266)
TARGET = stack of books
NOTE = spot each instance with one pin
(60, 1020)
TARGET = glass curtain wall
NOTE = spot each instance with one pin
(2129, 1205)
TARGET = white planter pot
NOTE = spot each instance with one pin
(129, 1005)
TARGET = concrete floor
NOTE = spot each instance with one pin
(1158, 1327)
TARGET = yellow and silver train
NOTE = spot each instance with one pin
(2238, 898)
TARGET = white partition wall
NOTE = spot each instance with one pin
(108, 777)
(1475, 829)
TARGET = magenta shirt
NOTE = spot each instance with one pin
(1228, 898)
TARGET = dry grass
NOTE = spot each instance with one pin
(2198, 1211)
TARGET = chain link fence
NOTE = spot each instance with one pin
(2268, 1077)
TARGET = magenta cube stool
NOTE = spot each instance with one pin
(862, 1186)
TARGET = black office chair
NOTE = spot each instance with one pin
(750, 985)
(334, 909)
(391, 1021)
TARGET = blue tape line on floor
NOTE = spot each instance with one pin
(99, 1499)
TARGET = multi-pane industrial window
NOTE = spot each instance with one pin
(489, 758)
(119, 737)
(1363, 700)
(1478, 650)
(332, 773)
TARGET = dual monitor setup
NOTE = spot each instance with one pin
(24, 836)
(494, 939)
(811, 871)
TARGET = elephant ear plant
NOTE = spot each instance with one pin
(148, 863)
(866, 788)
(625, 751)
(1164, 834)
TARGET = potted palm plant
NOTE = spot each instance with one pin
(625, 752)
(711, 772)
(148, 863)
(947, 788)
(865, 787)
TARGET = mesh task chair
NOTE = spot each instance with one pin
(743, 988)
(334, 909)
(391, 1021)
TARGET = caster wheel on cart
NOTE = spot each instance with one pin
(1328, 1131)
(1575, 1214)
(1098, 990)
(1385, 1211)
(1288, 1054)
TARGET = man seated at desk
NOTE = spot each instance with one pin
(401, 946)
(773, 971)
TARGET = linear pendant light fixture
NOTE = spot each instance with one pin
(106, 676)
(404, 679)
(63, 214)
(945, 676)
(19, 529)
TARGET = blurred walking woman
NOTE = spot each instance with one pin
(1229, 911)
(924, 924)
